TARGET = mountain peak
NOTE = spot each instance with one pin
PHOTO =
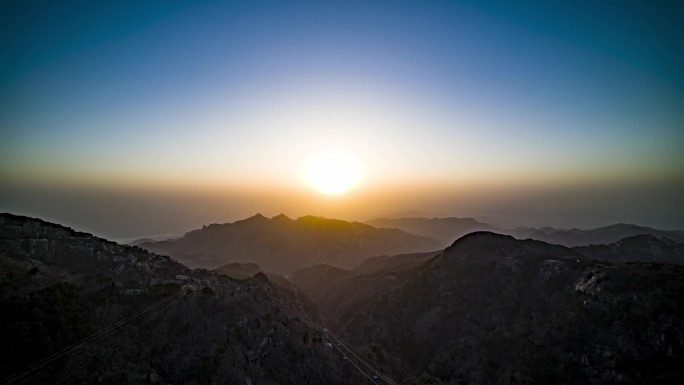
(281, 217)
(483, 239)
(256, 218)
(282, 245)
(487, 246)
(487, 236)
(625, 226)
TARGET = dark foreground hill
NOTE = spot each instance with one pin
(282, 245)
(494, 310)
(336, 291)
(76, 309)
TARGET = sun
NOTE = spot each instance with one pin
(333, 173)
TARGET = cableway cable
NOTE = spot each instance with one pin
(55, 356)
(337, 341)
(117, 341)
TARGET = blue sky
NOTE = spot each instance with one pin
(232, 96)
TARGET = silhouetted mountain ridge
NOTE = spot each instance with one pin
(282, 245)
(637, 248)
(445, 230)
(600, 235)
(487, 246)
(449, 229)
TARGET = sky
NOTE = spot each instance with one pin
(134, 118)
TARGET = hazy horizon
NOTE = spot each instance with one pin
(124, 217)
(132, 119)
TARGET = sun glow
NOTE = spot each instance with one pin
(333, 174)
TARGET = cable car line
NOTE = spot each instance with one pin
(55, 356)
(341, 343)
(117, 341)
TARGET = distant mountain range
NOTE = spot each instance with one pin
(447, 230)
(601, 235)
(77, 309)
(282, 245)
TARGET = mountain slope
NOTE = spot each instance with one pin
(334, 291)
(239, 270)
(492, 309)
(638, 248)
(445, 230)
(601, 235)
(134, 317)
(282, 245)
(392, 263)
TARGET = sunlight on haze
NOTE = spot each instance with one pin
(333, 173)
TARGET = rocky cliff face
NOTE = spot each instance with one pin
(492, 309)
(78, 309)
